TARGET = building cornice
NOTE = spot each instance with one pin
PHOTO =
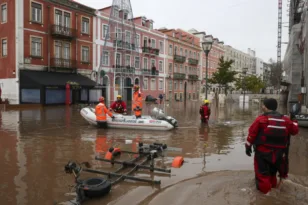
(74, 6)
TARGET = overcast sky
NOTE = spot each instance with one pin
(242, 24)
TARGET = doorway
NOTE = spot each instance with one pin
(128, 89)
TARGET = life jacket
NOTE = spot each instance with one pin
(119, 107)
(100, 112)
(273, 131)
(137, 101)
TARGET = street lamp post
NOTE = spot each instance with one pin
(244, 74)
(207, 46)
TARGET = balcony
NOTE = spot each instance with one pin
(192, 61)
(179, 59)
(149, 72)
(63, 32)
(151, 51)
(125, 69)
(60, 63)
(124, 45)
(179, 76)
(193, 77)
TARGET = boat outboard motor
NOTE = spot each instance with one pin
(160, 115)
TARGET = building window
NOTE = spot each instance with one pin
(198, 56)
(106, 58)
(185, 53)
(119, 34)
(175, 68)
(160, 66)
(175, 85)
(194, 55)
(106, 32)
(153, 43)
(170, 67)
(145, 63)
(125, 16)
(3, 13)
(118, 59)
(170, 50)
(186, 69)
(153, 84)
(153, 63)
(85, 25)
(4, 47)
(85, 51)
(60, 21)
(181, 51)
(151, 25)
(145, 84)
(127, 60)
(127, 37)
(170, 84)
(161, 85)
(137, 62)
(116, 12)
(137, 41)
(161, 46)
(36, 12)
(189, 54)
(181, 85)
(36, 47)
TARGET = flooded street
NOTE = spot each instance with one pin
(36, 144)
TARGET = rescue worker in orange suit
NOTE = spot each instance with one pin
(101, 113)
(137, 101)
(205, 111)
(119, 106)
(269, 134)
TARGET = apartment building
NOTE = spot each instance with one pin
(182, 64)
(241, 59)
(45, 44)
(129, 51)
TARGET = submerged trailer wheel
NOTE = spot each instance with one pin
(96, 187)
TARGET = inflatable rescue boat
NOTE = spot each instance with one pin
(158, 122)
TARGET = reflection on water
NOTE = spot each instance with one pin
(36, 144)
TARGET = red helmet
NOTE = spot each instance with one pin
(101, 99)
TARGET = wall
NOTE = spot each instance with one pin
(292, 64)
(8, 63)
(9, 88)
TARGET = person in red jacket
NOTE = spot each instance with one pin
(269, 134)
(205, 111)
(119, 106)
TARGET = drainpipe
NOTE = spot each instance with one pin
(76, 42)
(48, 38)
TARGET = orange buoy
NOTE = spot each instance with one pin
(177, 162)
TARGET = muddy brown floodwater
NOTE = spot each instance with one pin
(36, 144)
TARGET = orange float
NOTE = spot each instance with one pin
(177, 162)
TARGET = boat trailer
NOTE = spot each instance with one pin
(98, 186)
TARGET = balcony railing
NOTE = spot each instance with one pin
(192, 61)
(149, 72)
(179, 59)
(179, 76)
(125, 69)
(151, 51)
(193, 77)
(63, 63)
(124, 45)
(62, 31)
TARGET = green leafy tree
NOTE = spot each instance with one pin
(251, 83)
(223, 76)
